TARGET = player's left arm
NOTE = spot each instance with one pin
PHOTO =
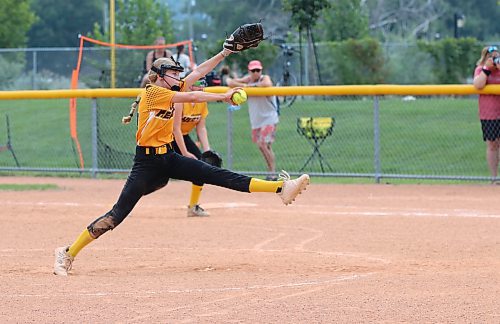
(205, 67)
(201, 131)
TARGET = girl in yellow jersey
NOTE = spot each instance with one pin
(155, 160)
(187, 117)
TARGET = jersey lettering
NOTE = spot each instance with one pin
(165, 114)
(192, 118)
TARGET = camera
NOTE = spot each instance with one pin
(496, 60)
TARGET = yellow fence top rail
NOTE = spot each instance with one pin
(340, 90)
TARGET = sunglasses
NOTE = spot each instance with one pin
(492, 49)
(255, 70)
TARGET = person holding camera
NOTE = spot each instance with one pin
(488, 72)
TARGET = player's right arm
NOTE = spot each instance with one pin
(201, 131)
(179, 139)
(201, 96)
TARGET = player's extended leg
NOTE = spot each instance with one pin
(143, 179)
(193, 170)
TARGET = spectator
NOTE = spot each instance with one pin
(488, 72)
(184, 60)
(263, 113)
(152, 56)
(226, 76)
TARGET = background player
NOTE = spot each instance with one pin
(155, 160)
(188, 116)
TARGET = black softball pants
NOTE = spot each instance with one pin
(192, 148)
(151, 172)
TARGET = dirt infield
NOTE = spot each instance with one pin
(341, 253)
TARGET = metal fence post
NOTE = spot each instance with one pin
(376, 139)
(34, 71)
(94, 138)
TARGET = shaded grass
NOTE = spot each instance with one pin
(429, 136)
(27, 187)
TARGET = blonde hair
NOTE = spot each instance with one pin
(152, 75)
(484, 56)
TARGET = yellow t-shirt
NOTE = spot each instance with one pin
(156, 111)
(192, 113)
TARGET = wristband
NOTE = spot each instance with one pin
(222, 53)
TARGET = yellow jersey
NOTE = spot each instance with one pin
(155, 125)
(192, 113)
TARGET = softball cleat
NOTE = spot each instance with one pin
(63, 262)
(197, 211)
(292, 188)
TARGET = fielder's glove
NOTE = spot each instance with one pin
(244, 37)
(211, 157)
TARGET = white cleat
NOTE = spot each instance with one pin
(197, 211)
(292, 188)
(63, 262)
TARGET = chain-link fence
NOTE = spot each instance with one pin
(325, 63)
(436, 137)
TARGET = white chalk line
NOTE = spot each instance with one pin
(311, 210)
(379, 213)
(148, 293)
(20, 252)
(85, 205)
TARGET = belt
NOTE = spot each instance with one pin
(149, 150)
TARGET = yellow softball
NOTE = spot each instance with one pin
(239, 97)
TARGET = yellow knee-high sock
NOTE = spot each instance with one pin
(195, 195)
(83, 239)
(259, 185)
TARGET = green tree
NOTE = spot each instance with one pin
(223, 16)
(305, 14)
(16, 17)
(60, 22)
(138, 22)
(343, 20)
(481, 19)
(454, 59)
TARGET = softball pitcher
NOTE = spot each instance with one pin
(155, 161)
(187, 117)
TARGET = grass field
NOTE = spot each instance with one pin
(429, 136)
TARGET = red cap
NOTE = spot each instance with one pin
(255, 64)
